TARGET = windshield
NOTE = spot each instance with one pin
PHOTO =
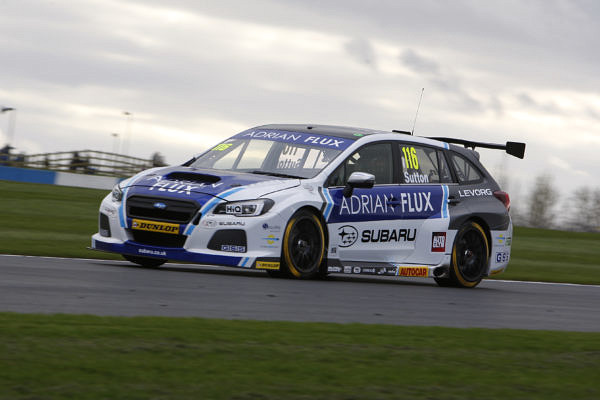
(268, 157)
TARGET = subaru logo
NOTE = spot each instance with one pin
(160, 206)
(348, 235)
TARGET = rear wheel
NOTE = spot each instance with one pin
(303, 247)
(470, 257)
(145, 261)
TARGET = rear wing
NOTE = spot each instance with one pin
(513, 148)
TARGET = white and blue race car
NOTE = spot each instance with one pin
(306, 200)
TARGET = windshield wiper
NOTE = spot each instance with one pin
(276, 174)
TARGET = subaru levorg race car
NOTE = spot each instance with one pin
(303, 201)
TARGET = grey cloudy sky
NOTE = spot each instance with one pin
(195, 72)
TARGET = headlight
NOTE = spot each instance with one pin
(117, 193)
(246, 208)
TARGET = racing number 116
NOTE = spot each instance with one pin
(410, 155)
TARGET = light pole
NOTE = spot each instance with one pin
(10, 131)
(115, 142)
(115, 149)
(127, 138)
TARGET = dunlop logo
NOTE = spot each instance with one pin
(153, 226)
(267, 265)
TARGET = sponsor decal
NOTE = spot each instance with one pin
(233, 248)
(175, 186)
(271, 239)
(382, 204)
(356, 270)
(438, 242)
(391, 270)
(232, 223)
(334, 269)
(388, 235)
(208, 223)
(368, 270)
(222, 147)
(271, 228)
(503, 240)
(386, 203)
(333, 250)
(475, 192)
(153, 226)
(267, 265)
(152, 252)
(298, 137)
(415, 177)
(347, 270)
(348, 235)
(419, 272)
(502, 256)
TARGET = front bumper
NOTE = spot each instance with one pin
(214, 239)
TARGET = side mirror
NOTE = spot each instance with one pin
(361, 180)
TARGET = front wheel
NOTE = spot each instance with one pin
(145, 261)
(470, 257)
(303, 247)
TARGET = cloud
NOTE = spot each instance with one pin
(362, 51)
(419, 64)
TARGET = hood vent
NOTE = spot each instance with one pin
(192, 177)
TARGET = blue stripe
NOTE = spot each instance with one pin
(244, 262)
(122, 218)
(445, 201)
(212, 204)
(329, 206)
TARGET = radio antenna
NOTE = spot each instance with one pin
(417, 113)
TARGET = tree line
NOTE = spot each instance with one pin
(544, 207)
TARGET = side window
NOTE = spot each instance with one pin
(419, 164)
(445, 175)
(375, 159)
(466, 172)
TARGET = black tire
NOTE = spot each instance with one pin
(444, 282)
(145, 261)
(470, 257)
(303, 247)
(277, 273)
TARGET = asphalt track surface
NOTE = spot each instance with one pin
(82, 286)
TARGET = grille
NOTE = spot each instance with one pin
(158, 239)
(228, 240)
(177, 211)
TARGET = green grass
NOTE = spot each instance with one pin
(48, 220)
(58, 221)
(554, 256)
(87, 357)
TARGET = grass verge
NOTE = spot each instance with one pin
(87, 357)
(52, 220)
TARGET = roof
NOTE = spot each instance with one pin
(346, 132)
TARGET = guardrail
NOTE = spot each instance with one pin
(89, 162)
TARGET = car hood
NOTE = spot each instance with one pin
(197, 184)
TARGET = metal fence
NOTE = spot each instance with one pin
(82, 162)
